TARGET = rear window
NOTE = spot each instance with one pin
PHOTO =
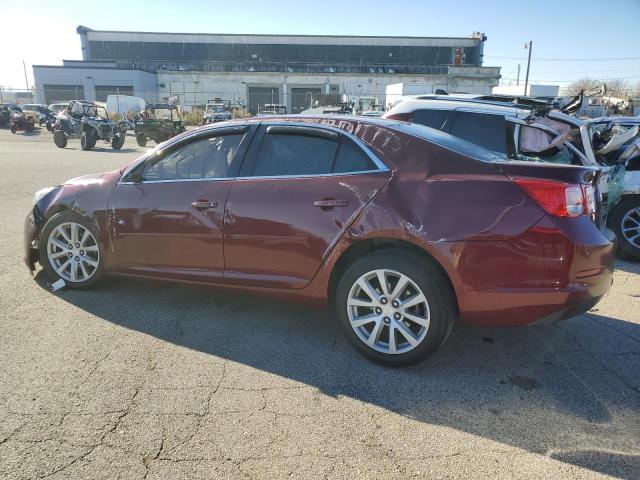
(488, 131)
(431, 118)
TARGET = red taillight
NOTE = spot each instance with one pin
(405, 117)
(560, 199)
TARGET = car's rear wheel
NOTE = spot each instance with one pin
(87, 140)
(395, 308)
(117, 141)
(625, 222)
(141, 138)
(13, 129)
(69, 250)
(60, 138)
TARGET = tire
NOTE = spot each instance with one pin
(435, 315)
(627, 214)
(87, 140)
(141, 138)
(13, 129)
(80, 257)
(117, 141)
(60, 138)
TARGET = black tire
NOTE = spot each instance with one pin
(625, 247)
(432, 283)
(52, 223)
(117, 141)
(60, 138)
(87, 140)
(13, 129)
(141, 138)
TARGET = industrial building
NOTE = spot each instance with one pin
(253, 70)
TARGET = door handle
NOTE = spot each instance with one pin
(330, 203)
(204, 205)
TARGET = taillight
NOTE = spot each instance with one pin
(560, 199)
(405, 117)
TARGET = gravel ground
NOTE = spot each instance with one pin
(142, 379)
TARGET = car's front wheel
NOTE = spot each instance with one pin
(141, 140)
(117, 141)
(69, 250)
(625, 222)
(87, 140)
(395, 308)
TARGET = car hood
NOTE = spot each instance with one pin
(87, 179)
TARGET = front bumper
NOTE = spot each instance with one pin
(32, 225)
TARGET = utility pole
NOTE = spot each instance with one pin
(24, 67)
(526, 80)
(518, 77)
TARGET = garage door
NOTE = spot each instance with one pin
(302, 98)
(63, 93)
(259, 96)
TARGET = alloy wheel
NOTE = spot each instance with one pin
(630, 226)
(388, 311)
(73, 252)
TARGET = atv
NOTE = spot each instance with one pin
(20, 122)
(158, 122)
(88, 121)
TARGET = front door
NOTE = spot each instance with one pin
(299, 189)
(166, 218)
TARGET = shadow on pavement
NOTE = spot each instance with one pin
(563, 388)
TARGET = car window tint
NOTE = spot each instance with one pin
(200, 159)
(289, 154)
(431, 118)
(488, 131)
(351, 158)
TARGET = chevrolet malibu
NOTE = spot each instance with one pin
(404, 230)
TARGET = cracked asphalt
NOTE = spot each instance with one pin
(142, 379)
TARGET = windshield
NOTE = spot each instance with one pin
(215, 108)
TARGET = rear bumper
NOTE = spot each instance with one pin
(544, 276)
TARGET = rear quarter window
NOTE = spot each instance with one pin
(431, 118)
(486, 130)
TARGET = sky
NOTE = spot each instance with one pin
(571, 39)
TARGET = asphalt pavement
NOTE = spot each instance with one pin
(143, 379)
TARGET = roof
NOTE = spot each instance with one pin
(460, 103)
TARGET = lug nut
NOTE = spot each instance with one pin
(397, 316)
(77, 258)
(82, 252)
(386, 320)
(383, 301)
(395, 304)
(77, 245)
(378, 310)
(69, 254)
(69, 246)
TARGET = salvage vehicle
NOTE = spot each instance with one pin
(159, 122)
(88, 121)
(271, 109)
(616, 141)
(216, 112)
(19, 122)
(352, 211)
(34, 110)
(531, 130)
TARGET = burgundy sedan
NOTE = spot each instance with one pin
(403, 229)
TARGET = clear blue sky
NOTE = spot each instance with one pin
(590, 30)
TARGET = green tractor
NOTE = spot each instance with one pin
(159, 122)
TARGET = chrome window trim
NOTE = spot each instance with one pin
(382, 167)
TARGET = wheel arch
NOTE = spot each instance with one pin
(364, 247)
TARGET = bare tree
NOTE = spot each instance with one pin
(585, 84)
(617, 87)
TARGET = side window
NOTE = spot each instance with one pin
(290, 154)
(431, 118)
(351, 158)
(488, 131)
(200, 159)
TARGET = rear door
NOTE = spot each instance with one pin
(299, 188)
